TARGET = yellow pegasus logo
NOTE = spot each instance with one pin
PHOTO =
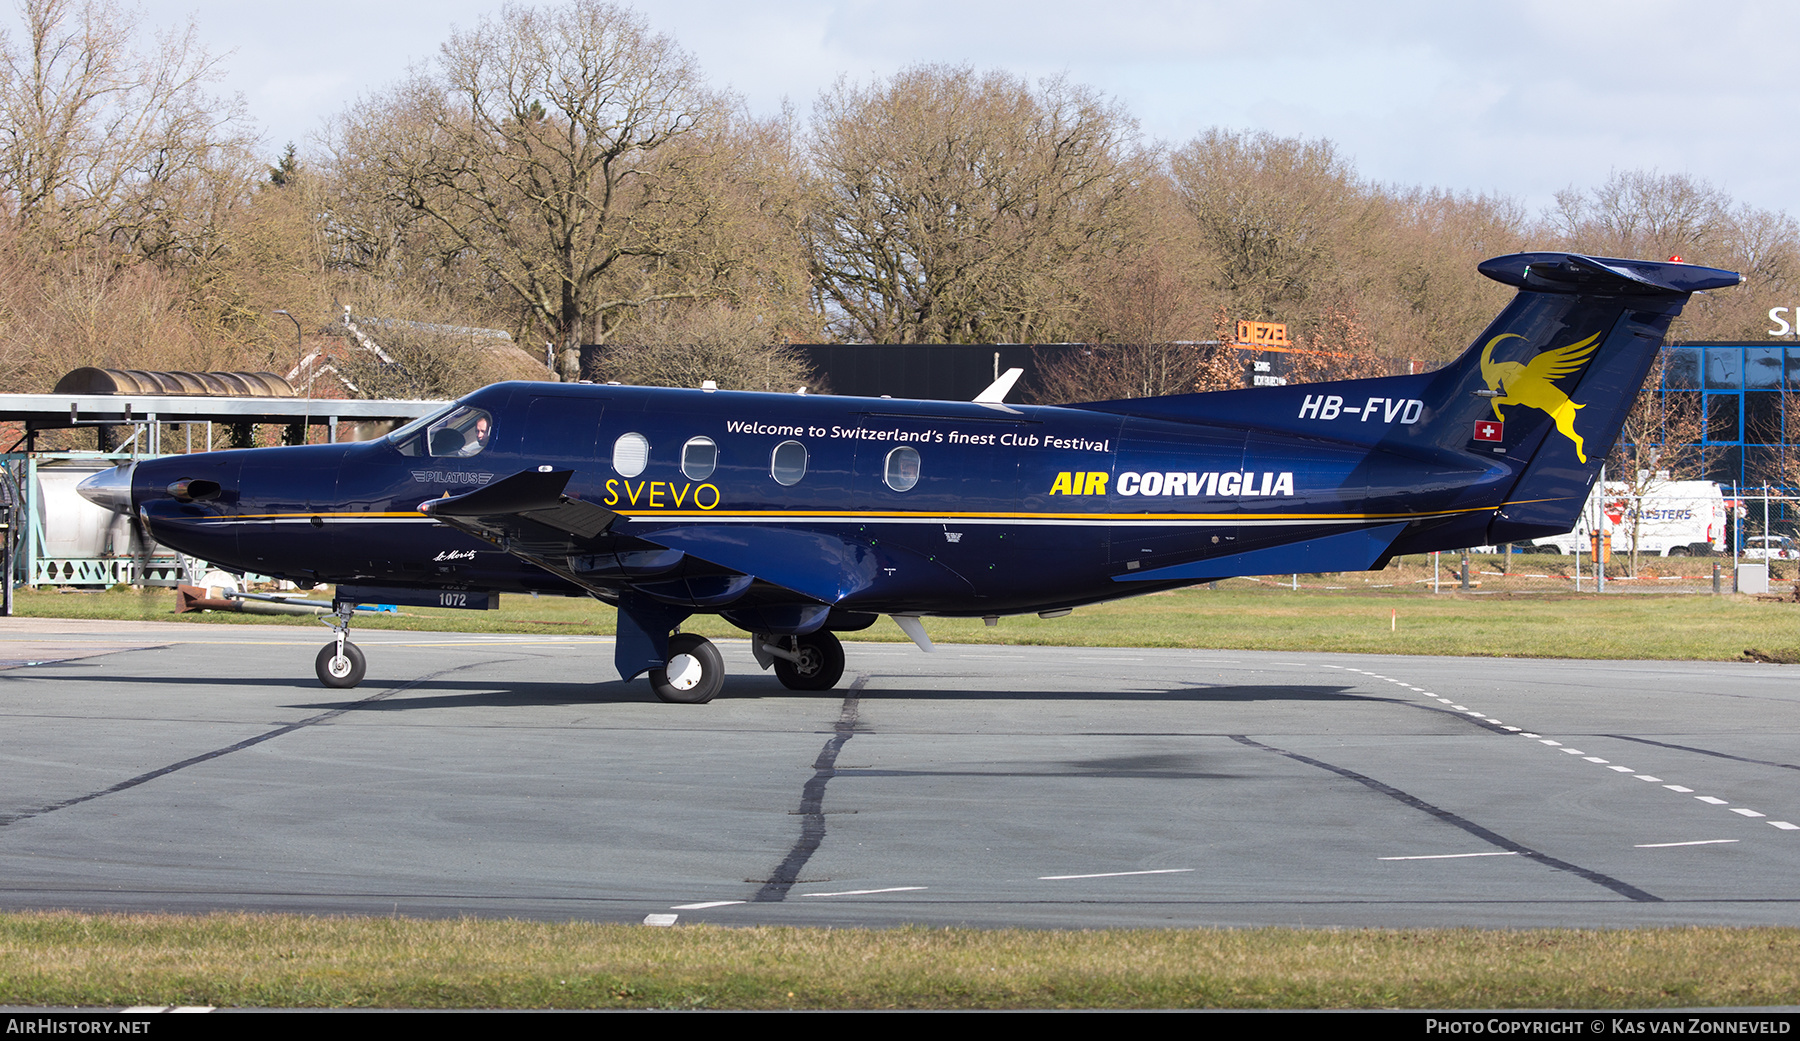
(1533, 384)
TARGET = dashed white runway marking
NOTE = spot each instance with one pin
(1696, 842)
(1552, 743)
(869, 892)
(707, 904)
(1454, 856)
(1116, 874)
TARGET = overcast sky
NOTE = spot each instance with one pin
(1519, 99)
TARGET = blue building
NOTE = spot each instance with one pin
(1741, 403)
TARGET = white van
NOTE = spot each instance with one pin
(1675, 519)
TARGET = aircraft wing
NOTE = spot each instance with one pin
(529, 507)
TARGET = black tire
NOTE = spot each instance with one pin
(340, 673)
(1678, 551)
(698, 671)
(820, 666)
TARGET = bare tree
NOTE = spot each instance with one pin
(679, 346)
(960, 207)
(1642, 213)
(1646, 214)
(1272, 214)
(558, 149)
(101, 145)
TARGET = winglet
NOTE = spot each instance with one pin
(996, 391)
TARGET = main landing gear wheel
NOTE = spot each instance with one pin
(695, 673)
(818, 663)
(340, 670)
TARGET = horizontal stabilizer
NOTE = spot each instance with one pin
(1573, 273)
(1348, 551)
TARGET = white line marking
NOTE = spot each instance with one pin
(1714, 801)
(1116, 874)
(867, 892)
(1697, 842)
(1747, 813)
(1526, 733)
(1620, 769)
(1784, 825)
(1453, 856)
(704, 906)
(1547, 741)
(660, 919)
(1595, 759)
(1574, 751)
(1647, 777)
(1513, 729)
(1677, 788)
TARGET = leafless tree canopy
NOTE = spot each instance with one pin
(101, 145)
(556, 149)
(686, 347)
(951, 206)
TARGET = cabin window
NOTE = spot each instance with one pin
(631, 453)
(902, 469)
(699, 458)
(788, 463)
(461, 433)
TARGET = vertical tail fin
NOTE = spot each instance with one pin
(1559, 369)
(1541, 394)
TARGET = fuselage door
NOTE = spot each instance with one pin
(562, 432)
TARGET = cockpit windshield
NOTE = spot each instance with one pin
(459, 432)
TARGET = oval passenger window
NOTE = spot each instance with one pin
(902, 469)
(699, 458)
(788, 464)
(631, 453)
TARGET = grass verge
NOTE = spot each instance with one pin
(293, 961)
(1239, 614)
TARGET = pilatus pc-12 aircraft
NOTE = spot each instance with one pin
(796, 517)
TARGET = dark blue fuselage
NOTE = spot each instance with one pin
(1014, 509)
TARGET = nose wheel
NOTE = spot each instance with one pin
(340, 666)
(340, 663)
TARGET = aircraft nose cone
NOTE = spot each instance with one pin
(110, 488)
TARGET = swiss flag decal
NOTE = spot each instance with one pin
(1489, 430)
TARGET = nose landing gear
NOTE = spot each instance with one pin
(340, 663)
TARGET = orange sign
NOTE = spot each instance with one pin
(1263, 334)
